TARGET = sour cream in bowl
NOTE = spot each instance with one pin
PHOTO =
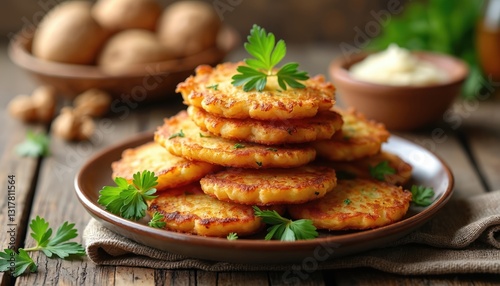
(403, 89)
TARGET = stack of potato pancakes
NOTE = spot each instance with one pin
(277, 149)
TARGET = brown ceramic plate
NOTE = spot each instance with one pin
(429, 170)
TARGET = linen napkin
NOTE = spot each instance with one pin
(464, 237)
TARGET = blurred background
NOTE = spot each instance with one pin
(301, 21)
(468, 29)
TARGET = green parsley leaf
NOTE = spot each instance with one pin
(285, 229)
(380, 170)
(213, 86)
(58, 245)
(232, 236)
(22, 262)
(347, 201)
(204, 136)
(421, 195)
(128, 200)
(238, 146)
(266, 55)
(178, 134)
(35, 145)
(157, 221)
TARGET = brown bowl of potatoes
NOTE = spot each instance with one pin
(132, 49)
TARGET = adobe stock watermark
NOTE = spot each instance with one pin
(221, 7)
(301, 272)
(122, 107)
(372, 28)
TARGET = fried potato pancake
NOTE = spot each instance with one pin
(187, 209)
(211, 89)
(195, 145)
(172, 171)
(361, 168)
(359, 138)
(271, 186)
(355, 204)
(321, 126)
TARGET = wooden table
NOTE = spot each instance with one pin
(44, 186)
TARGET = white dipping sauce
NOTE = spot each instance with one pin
(397, 66)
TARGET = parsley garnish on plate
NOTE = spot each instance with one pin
(58, 246)
(286, 229)
(178, 134)
(35, 145)
(157, 221)
(421, 195)
(238, 146)
(266, 55)
(129, 200)
(232, 236)
(380, 170)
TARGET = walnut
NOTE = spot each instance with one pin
(93, 102)
(40, 106)
(73, 126)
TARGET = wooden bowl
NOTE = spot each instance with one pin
(148, 82)
(400, 107)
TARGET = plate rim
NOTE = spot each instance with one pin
(253, 244)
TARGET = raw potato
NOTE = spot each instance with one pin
(131, 48)
(69, 34)
(40, 106)
(93, 102)
(117, 15)
(72, 126)
(188, 27)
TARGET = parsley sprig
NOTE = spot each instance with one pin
(157, 221)
(380, 170)
(421, 195)
(35, 145)
(128, 200)
(261, 45)
(232, 236)
(285, 229)
(58, 246)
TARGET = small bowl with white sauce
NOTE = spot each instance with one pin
(402, 89)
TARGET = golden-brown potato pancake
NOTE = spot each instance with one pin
(271, 186)
(359, 138)
(195, 145)
(361, 168)
(171, 170)
(355, 204)
(187, 209)
(321, 126)
(211, 89)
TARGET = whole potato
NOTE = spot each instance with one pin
(116, 15)
(69, 34)
(188, 27)
(130, 48)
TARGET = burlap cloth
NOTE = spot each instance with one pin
(464, 237)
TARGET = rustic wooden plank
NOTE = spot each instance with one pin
(13, 82)
(134, 276)
(377, 278)
(482, 131)
(55, 200)
(242, 278)
(206, 278)
(299, 277)
(175, 277)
